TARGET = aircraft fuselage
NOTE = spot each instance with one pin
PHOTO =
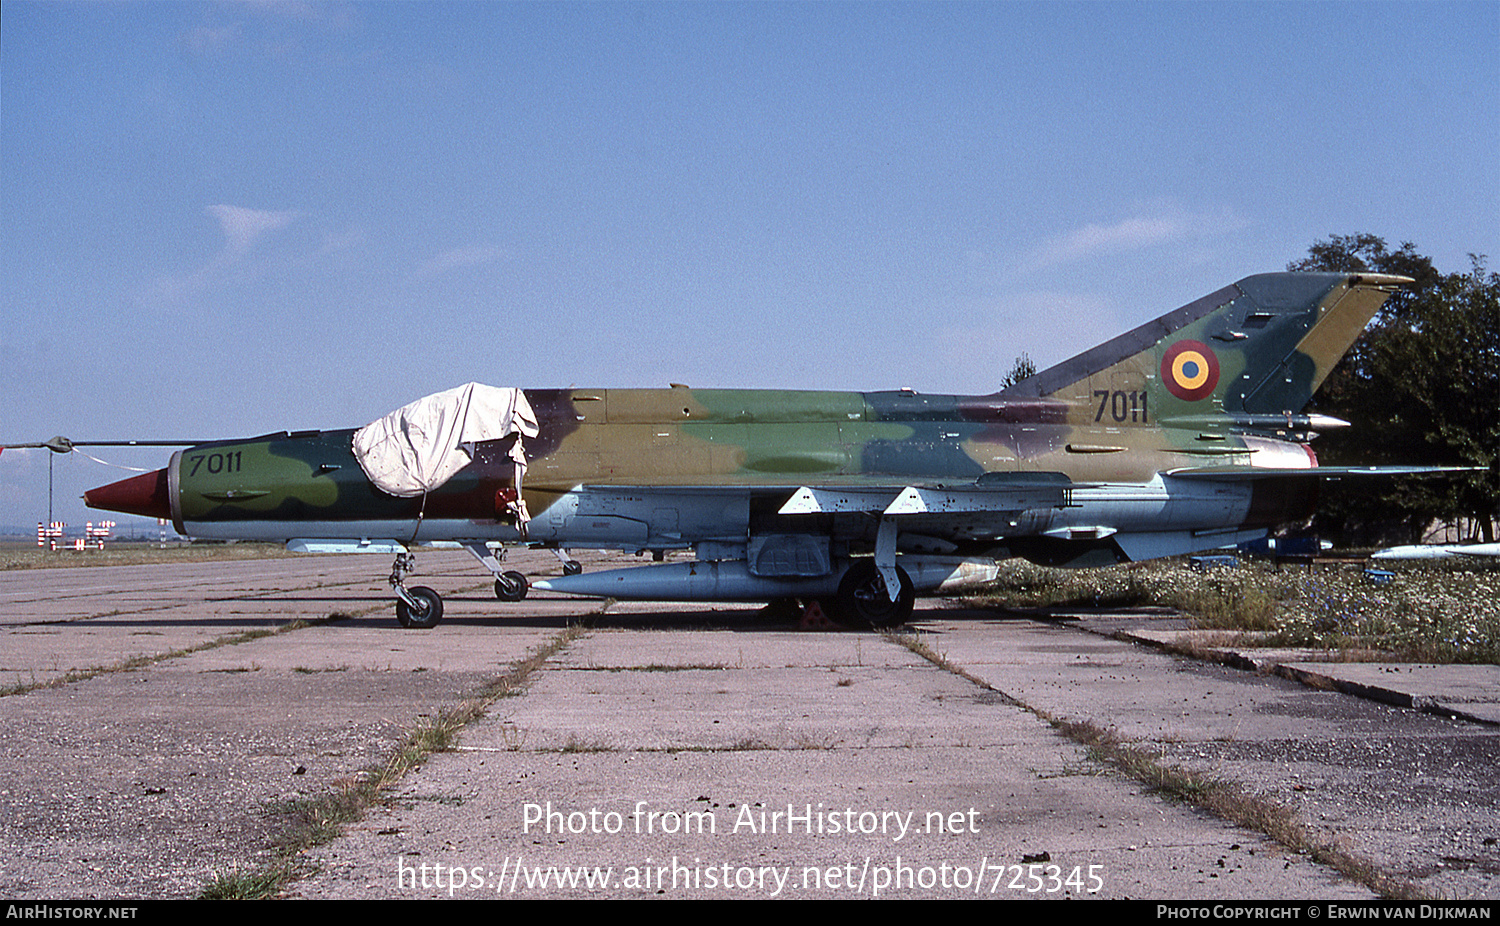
(675, 468)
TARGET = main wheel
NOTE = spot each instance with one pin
(863, 601)
(425, 617)
(511, 586)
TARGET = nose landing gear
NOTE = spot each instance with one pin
(418, 607)
(426, 611)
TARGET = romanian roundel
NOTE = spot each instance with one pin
(1190, 370)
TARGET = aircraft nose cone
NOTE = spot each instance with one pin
(145, 494)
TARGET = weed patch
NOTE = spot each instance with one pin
(316, 821)
(1425, 614)
(1230, 801)
(140, 662)
(1225, 799)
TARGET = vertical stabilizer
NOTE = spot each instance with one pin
(1260, 346)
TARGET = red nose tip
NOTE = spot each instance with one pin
(145, 494)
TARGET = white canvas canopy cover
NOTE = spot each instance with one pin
(418, 447)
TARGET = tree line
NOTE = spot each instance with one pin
(1420, 386)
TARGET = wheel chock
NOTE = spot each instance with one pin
(814, 618)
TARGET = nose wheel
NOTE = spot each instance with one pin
(423, 612)
(418, 607)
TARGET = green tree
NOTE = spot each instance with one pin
(1422, 386)
(1024, 367)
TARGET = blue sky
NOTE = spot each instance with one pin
(223, 219)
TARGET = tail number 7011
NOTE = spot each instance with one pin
(1121, 406)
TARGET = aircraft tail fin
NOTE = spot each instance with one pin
(1260, 346)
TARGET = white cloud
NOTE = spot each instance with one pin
(473, 256)
(243, 227)
(207, 40)
(273, 28)
(1090, 240)
(1167, 225)
(337, 241)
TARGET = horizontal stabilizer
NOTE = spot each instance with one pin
(1242, 473)
(1286, 422)
(1440, 551)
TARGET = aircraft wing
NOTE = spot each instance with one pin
(993, 496)
(992, 492)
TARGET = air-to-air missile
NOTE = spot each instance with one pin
(1182, 435)
(1440, 551)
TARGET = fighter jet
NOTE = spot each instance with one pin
(1182, 435)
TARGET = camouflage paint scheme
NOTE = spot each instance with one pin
(1182, 434)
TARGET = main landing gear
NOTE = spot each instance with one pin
(511, 586)
(866, 597)
(864, 600)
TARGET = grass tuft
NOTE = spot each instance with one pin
(1435, 614)
(140, 662)
(318, 820)
(1221, 797)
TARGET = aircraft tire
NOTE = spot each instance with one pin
(572, 568)
(862, 600)
(425, 619)
(511, 586)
